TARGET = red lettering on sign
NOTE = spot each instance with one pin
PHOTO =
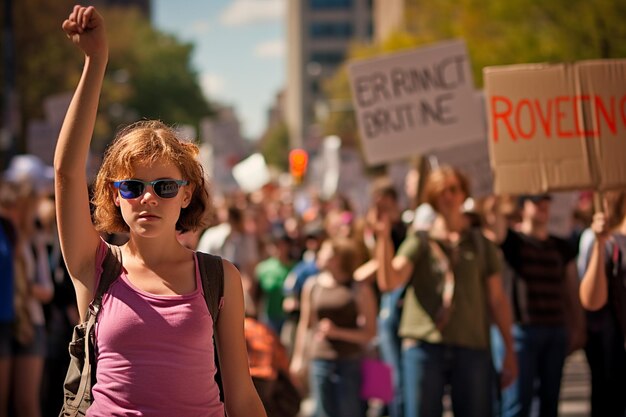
(557, 117)
(503, 115)
(560, 115)
(545, 119)
(609, 116)
(531, 117)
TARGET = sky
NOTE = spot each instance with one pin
(239, 51)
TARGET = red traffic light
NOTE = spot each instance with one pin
(298, 159)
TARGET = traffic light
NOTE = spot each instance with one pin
(298, 159)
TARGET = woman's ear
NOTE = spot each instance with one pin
(187, 197)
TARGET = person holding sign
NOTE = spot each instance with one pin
(602, 267)
(154, 332)
(454, 292)
(548, 319)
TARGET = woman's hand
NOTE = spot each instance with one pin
(326, 329)
(85, 28)
(509, 369)
(599, 226)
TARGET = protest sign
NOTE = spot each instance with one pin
(252, 173)
(557, 127)
(413, 102)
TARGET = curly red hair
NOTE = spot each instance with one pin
(148, 142)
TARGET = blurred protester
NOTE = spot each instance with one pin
(385, 202)
(602, 267)
(271, 274)
(454, 291)
(269, 366)
(230, 240)
(301, 272)
(337, 322)
(33, 282)
(549, 321)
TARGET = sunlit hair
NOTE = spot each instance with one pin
(436, 183)
(147, 142)
(616, 207)
(347, 252)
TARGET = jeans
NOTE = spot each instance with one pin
(606, 355)
(541, 352)
(429, 368)
(335, 387)
(390, 345)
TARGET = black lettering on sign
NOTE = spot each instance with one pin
(386, 120)
(398, 82)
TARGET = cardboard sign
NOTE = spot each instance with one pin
(603, 94)
(413, 102)
(557, 127)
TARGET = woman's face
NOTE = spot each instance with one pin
(451, 197)
(149, 215)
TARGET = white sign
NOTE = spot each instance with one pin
(251, 173)
(413, 102)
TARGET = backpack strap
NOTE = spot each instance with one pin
(212, 276)
(111, 267)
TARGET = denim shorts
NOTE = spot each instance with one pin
(35, 348)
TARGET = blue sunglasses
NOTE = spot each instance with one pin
(167, 188)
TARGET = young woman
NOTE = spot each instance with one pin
(602, 267)
(454, 291)
(154, 329)
(340, 316)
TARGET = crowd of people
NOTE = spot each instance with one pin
(477, 302)
(481, 305)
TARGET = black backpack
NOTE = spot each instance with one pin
(81, 374)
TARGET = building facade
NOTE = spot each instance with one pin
(319, 33)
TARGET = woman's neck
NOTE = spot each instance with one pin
(534, 229)
(154, 250)
(451, 227)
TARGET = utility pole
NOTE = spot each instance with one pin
(10, 111)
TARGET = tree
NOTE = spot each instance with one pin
(149, 76)
(274, 146)
(149, 73)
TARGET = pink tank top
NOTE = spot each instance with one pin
(155, 353)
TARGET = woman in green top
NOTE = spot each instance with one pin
(454, 292)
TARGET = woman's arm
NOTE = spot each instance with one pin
(501, 314)
(240, 396)
(366, 320)
(78, 237)
(299, 359)
(392, 272)
(593, 289)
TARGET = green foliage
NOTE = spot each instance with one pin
(274, 146)
(496, 33)
(149, 74)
